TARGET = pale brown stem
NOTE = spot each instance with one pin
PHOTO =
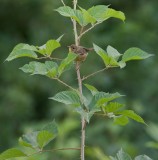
(65, 84)
(94, 73)
(63, 3)
(83, 122)
(87, 30)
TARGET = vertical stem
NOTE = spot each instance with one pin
(83, 122)
(75, 25)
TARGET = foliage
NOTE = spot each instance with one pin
(121, 155)
(100, 101)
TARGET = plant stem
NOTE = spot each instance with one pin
(65, 84)
(83, 122)
(92, 74)
(87, 30)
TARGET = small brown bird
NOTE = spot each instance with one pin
(81, 51)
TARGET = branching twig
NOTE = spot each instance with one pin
(83, 122)
(63, 3)
(65, 84)
(80, 36)
(94, 73)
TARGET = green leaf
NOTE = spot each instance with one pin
(135, 54)
(131, 114)
(49, 47)
(113, 106)
(48, 68)
(142, 157)
(12, 153)
(98, 11)
(112, 52)
(122, 64)
(24, 143)
(68, 98)
(121, 120)
(75, 14)
(66, 62)
(30, 140)
(87, 17)
(52, 128)
(92, 89)
(44, 137)
(101, 98)
(22, 50)
(108, 97)
(59, 39)
(66, 11)
(108, 61)
(52, 69)
(113, 13)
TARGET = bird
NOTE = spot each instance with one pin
(81, 51)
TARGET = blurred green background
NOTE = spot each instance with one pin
(24, 103)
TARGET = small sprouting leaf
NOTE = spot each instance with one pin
(108, 60)
(29, 140)
(112, 52)
(48, 68)
(142, 157)
(86, 114)
(49, 47)
(121, 120)
(121, 155)
(44, 137)
(131, 114)
(68, 98)
(12, 153)
(22, 50)
(98, 11)
(115, 14)
(92, 89)
(135, 54)
(113, 106)
(66, 62)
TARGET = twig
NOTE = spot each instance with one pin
(83, 122)
(65, 84)
(75, 24)
(63, 3)
(80, 36)
(94, 73)
(53, 150)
